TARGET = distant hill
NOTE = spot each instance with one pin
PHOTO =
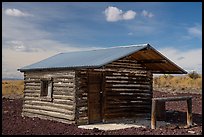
(12, 78)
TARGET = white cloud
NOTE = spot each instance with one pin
(130, 33)
(195, 31)
(147, 14)
(24, 43)
(129, 15)
(114, 14)
(188, 60)
(16, 13)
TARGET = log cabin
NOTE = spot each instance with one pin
(101, 85)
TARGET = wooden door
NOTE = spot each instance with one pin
(95, 97)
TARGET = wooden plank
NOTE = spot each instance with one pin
(127, 106)
(49, 113)
(32, 91)
(62, 101)
(63, 97)
(138, 90)
(63, 88)
(173, 98)
(189, 112)
(32, 87)
(32, 94)
(126, 88)
(153, 114)
(68, 111)
(32, 81)
(46, 117)
(52, 104)
(66, 93)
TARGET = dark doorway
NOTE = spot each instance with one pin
(95, 97)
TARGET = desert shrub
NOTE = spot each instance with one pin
(194, 75)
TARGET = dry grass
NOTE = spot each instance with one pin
(178, 82)
(12, 87)
(173, 82)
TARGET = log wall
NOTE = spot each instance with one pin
(62, 107)
(82, 96)
(128, 90)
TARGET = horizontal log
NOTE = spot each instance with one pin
(82, 108)
(66, 93)
(32, 94)
(84, 114)
(33, 84)
(134, 94)
(127, 88)
(48, 117)
(67, 111)
(127, 103)
(62, 101)
(63, 97)
(127, 82)
(32, 87)
(31, 78)
(138, 90)
(31, 98)
(182, 98)
(56, 80)
(123, 66)
(126, 85)
(31, 91)
(127, 73)
(51, 104)
(126, 97)
(82, 121)
(63, 84)
(48, 113)
(112, 116)
(125, 78)
(32, 81)
(63, 88)
(128, 110)
(127, 106)
(126, 63)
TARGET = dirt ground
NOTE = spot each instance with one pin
(14, 124)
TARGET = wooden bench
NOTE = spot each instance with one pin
(159, 103)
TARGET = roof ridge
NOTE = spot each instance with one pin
(126, 46)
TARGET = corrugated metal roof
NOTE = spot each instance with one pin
(92, 58)
(151, 59)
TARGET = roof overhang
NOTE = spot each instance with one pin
(154, 61)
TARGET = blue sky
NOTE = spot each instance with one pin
(32, 31)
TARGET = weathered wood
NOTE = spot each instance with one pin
(66, 93)
(155, 102)
(49, 113)
(62, 101)
(67, 111)
(63, 97)
(32, 87)
(31, 91)
(161, 111)
(32, 94)
(48, 117)
(189, 112)
(51, 104)
(153, 114)
(63, 88)
(173, 98)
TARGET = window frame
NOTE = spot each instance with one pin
(46, 90)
